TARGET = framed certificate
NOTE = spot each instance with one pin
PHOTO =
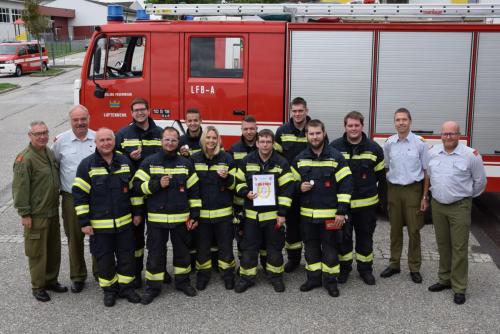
(263, 186)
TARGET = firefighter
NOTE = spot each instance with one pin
(138, 140)
(190, 141)
(290, 141)
(264, 221)
(105, 205)
(366, 161)
(173, 203)
(216, 172)
(325, 191)
(239, 150)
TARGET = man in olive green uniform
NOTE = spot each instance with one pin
(35, 190)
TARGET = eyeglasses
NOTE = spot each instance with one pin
(140, 110)
(39, 134)
(449, 134)
(168, 140)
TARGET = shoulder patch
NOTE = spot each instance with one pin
(20, 158)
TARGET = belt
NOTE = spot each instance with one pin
(406, 185)
(453, 203)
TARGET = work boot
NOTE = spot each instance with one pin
(148, 296)
(229, 283)
(109, 298)
(344, 275)
(167, 279)
(243, 285)
(367, 277)
(278, 285)
(41, 295)
(201, 284)
(188, 290)
(56, 287)
(290, 266)
(130, 295)
(309, 285)
(332, 290)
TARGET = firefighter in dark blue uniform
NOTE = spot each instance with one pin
(290, 141)
(106, 208)
(264, 220)
(170, 186)
(325, 184)
(366, 161)
(216, 172)
(138, 140)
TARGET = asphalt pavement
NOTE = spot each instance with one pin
(393, 305)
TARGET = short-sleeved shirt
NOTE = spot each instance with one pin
(69, 152)
(456, 175)
(404, 159)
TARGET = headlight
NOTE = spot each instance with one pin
(9, 62)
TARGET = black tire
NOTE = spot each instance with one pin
(44, 67)
(19, 71)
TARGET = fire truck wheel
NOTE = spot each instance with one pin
(19, 71)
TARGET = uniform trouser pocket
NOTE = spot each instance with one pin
(32, 243)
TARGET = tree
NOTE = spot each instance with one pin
(35, 23)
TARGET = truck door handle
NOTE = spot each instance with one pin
(239, 112)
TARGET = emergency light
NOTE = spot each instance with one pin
(115, 13)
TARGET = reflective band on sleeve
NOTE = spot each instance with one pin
(296, 174)
(318, 213)
(182, 270)
(168, 218)
(240, 175)
(380, 166)
(226, 265)
(104, 283)
(194, 203)
(362, 202)
(261, 216)
(313, 266)
(142, 175)
(344, 198)
(295, 245)
(154, 277)
(345, 257)
(277, 147)
(224, 212)
(145, 188)
(122, 279)
(82, 209)
(192, 180)
(204, 266)
(248, 272)
(285, 201)
(273, 269)
(240, 186)
(343, 172)
(137, 200)
(330, 270)
(285, 178)
(362, 258)
(82, 184)
(238, 200)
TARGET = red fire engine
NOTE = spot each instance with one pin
(438, 70)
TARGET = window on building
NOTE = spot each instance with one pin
(216, 57)
(4, 15)
(16, 14)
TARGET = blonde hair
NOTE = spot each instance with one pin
(203, 139)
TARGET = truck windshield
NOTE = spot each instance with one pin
(7, 49)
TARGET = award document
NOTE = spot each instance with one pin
(263, 186)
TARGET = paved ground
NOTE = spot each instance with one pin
(394, 305)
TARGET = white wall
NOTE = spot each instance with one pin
(7, 29)
(86, 13)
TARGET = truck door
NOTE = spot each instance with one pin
(216, 78)
(118, 73)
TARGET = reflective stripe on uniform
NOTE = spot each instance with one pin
(170, 171)
(154, 277)
(82, 184)
(192, 180)
(224, 212)
(285, 178)
(318, 213)
(380, 166)
(365, 155)
(285, 201)
(345, 198)
(345, 257)
(182, 270)
(262, 252)
(168, 218)
(294, 245)
(139, 252)
(248, 272)
(131, 142)
(293, 138)
(240, 186)
(145, 188)
(194, 203)
(97, 171)
(343, 172)
(261, 216)
(362, 202)
(122, 279)
(82, 209)
(104, 283)
(137, 200)
(239, 155)
(296, 175)
(330, 270)
(362, 258)
(274, 269)
(151, 142)
(251, 167)
(204, 266)
(240, 175)
(123, 169)
(238, 200)
(277, 147)
(313, 266)
(226, 265)
(142, 175)
(200, 166)
(110, 223)
(317, 163)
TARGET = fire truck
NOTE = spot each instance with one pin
(440, 62)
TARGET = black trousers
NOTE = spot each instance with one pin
(221, 235)
(156, 242)
(293, 241)
(363, 223)
(114, 253)
(253, 235)
(321, 252)
(140, 242)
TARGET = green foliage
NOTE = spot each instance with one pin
(35, 23)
